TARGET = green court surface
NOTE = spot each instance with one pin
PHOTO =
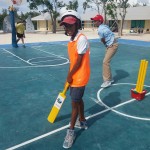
(32, 77)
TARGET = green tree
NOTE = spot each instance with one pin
(110, 8)
(98, 5)
(2, 16)
(93, 4)
(51, 6)
(24, 16)
(115, 8)
(73, 5)
(112, 12)
(122, 6)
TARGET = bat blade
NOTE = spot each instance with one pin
(57, 105)
(56, 108)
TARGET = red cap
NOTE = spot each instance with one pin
(68, 20)
(98, 18)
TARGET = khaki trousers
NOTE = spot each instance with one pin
(110, 52)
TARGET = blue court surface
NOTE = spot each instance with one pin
(32, 77)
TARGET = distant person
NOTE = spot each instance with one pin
(79, 72)
(107, 37)
(20, 31)
(140, 30)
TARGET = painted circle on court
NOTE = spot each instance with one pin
(118, 112)
(52, 59)
(48, 61)
(36, 65)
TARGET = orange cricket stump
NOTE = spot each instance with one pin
(138, 96)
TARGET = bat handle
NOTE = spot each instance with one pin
(65, 88)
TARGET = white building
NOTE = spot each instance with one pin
(136, 17)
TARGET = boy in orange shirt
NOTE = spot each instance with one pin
(79, 71)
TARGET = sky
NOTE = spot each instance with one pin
(4, 4)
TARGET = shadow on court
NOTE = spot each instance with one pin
(120, 74)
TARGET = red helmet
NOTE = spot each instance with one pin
(98, 18)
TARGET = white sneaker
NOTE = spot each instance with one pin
(81, 124)
(69, 139)
(107, 83)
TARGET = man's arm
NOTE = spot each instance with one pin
(103, 41)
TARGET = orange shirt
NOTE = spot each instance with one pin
(82, 75)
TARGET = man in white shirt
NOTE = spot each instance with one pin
(107, 37)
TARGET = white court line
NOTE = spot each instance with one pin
(66, 126)
(96, 101)
(52, 132)
(18, 57)
(36, 62)
(120, 113)
(48, 52)
(62, 128)
(38, 138)
(59, 56)
(34, 65)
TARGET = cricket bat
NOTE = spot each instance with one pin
(57, 105)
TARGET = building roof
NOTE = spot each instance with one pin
(43, 16)
(84, 16)
(88, 15)
(46, 16)
(133, 13)
(137, 13)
